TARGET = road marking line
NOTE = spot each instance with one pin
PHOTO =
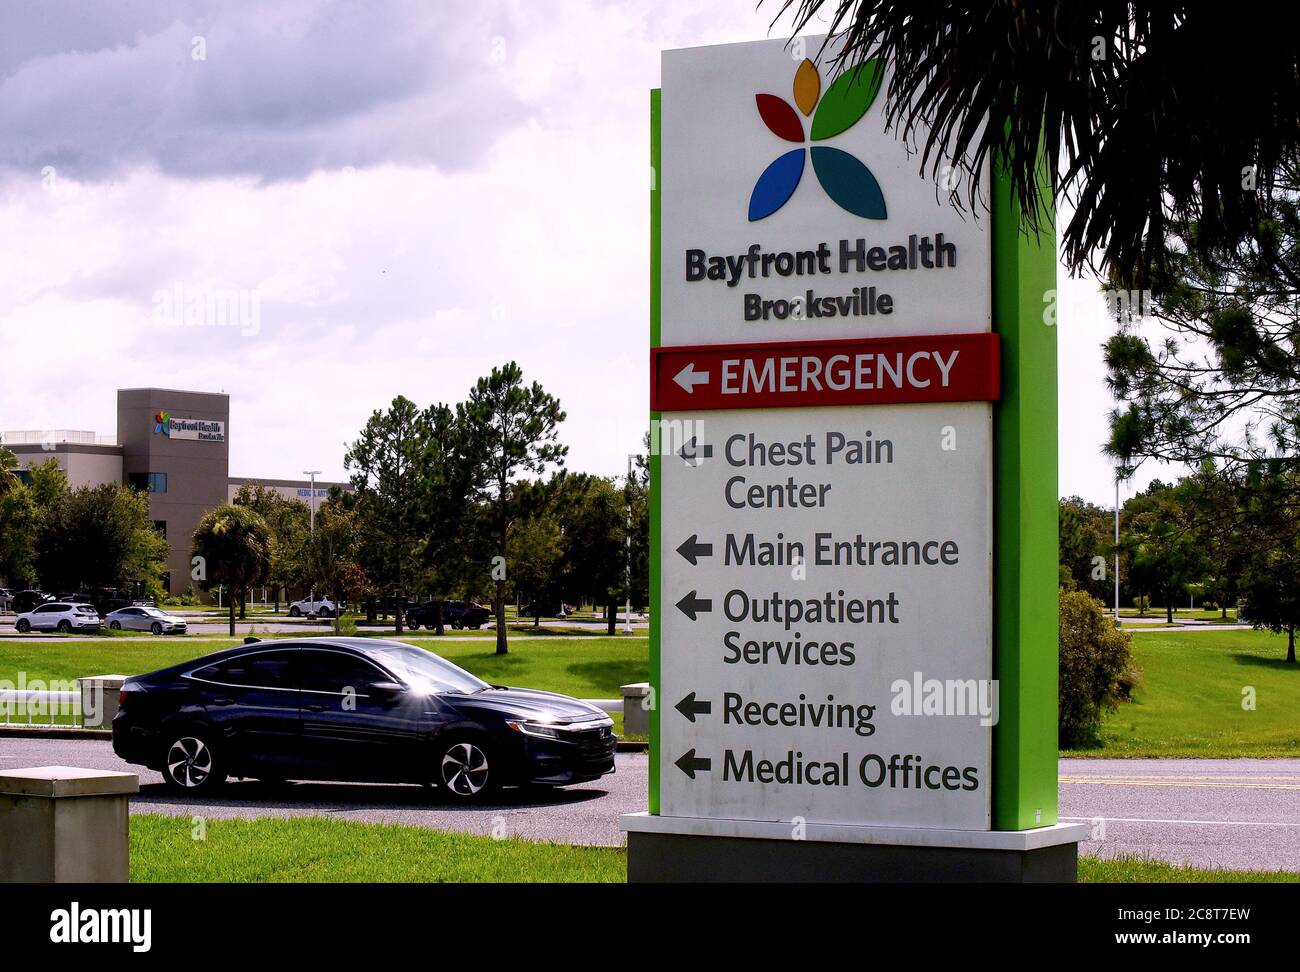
(1184, 783)
(1221, 823)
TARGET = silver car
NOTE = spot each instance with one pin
(145, 619)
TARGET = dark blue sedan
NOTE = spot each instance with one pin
(357, 710)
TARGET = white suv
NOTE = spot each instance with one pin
(59, 616)
(322, 607)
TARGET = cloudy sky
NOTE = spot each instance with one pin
(398, 195)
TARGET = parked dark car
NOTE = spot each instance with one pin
(358, 710)
(455, 614)
(24, 601)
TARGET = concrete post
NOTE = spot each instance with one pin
(64, 824)
(99, 699)
(636, 715)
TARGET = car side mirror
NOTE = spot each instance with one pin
(385, 691)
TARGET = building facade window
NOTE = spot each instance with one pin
(154, 482)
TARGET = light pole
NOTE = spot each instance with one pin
(1117, 551)
(627, 577)
(311, 529)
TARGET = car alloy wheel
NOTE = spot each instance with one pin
(115, 625)
(464, 770)
(156, 628)
(23, 626)
(189, 763)
(64, 627)
(294, 612)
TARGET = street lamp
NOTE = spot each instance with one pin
(627, 617)
(311, 527)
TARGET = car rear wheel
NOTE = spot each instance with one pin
(23, 626)
(326, 613)
(191, 764)
(64, 627)
(156, 628)
(464, 772)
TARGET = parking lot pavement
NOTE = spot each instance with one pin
(585, 814)
(1240, 814)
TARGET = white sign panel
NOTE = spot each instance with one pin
(922, 269)
(825, 616)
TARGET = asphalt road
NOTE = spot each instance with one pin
(585, 814)
(1238, 814)
(1241, 814)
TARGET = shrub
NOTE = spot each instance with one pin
(1096, 668)
(1142, 602)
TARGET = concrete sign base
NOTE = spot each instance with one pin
(666, 849)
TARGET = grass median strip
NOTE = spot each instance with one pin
(306, 849)
(586, 668)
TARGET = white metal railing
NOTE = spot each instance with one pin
(46, 704)
(54, 437)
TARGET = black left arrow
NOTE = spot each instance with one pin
(690, 708)
(691, 605)
(693, 550)
(690, 763)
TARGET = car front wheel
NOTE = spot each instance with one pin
(23, 626)
(294, 612)
(464, 772)
(115, 625)
(156, 628)
(191, 764)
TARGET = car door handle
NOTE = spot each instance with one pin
(223, 701)
(315, 707)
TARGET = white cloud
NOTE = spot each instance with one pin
(414, 195)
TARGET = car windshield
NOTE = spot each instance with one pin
(428, 672)
(154, 613)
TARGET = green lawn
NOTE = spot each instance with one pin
(321, 849)
(1190, 702)
(588, 668)
(1136, 870)
(169, 849)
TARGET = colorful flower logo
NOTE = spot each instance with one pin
(162, 422)
(846, 180)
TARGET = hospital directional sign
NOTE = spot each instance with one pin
(846, 519)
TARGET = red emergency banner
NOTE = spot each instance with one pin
(868, 371)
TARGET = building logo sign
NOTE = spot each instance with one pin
(202, 430)
(844, 177)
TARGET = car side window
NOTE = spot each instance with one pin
(335, 672)
(265, 669)
(51, 609)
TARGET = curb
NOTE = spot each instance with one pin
(42, 732)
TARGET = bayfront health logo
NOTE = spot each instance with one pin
(162, 422)
(844, 177)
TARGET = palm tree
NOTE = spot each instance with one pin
(1152, 112)
(233, 548)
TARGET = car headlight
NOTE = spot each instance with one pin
(535, 729)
